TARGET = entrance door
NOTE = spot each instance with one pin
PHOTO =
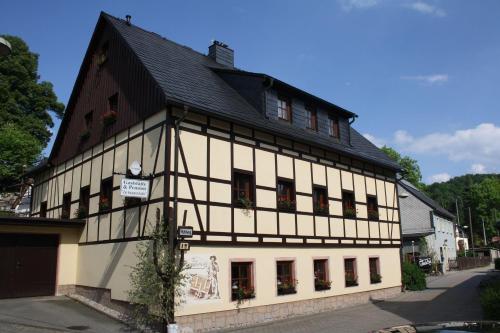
(28, 265)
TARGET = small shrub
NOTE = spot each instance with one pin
(490, 300)
(413, 277)
(497, 263)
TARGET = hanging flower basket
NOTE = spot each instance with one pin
(109, 118)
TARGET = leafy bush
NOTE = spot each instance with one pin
(497, 263)
(490, 299)
(413, 277)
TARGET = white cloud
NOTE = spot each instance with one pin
(477, 168)
(427, 9)
(428, 79)
(347, 5)
(376, 141)
(439, 178)
(479, 145)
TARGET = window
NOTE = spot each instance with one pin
(66, 206)
(83, 205)
(374, 270)
(321, 281)
(113, 103)
(243, 189)
(372, 206)
(320, 200)
(106, 195)
(241, 281)
(311, 118)
(334, 127)
(43, 209)
(284, 108)
(285, 279)
(88, 120)
(351, 279)
(286, 196)
(348, 205)
(103, 54)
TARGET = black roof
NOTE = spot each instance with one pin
(191, 78)
(425, 199)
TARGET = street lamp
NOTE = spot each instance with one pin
(413, 250)
(5, 47)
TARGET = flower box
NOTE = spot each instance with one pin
(349, 213)
(109, 118)
(373, 215)
(85, 135)
(104, 204)
(375, 278)
(242, 294)
(350, 282)
(322, 210)
(322, 285)
(287, 288)
(81, 212)
(286, 205)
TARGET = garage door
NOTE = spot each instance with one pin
(27, 265)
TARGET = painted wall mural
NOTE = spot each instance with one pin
(202, 284)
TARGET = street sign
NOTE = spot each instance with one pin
(185, 232)
(134, 188)
(184, 246)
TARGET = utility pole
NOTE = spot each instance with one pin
(484, 232)
(471, 235)
(456, 208)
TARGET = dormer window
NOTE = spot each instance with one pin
(334, 127)
(311, 118)
(284, 108)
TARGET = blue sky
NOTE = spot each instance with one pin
(423, 76)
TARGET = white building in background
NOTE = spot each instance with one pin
(423, 218)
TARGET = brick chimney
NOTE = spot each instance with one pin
(221, 53)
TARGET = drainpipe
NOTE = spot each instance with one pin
(353, 119)
(172, 231)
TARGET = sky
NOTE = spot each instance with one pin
(423, 75)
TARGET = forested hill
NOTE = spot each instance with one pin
(479, 192)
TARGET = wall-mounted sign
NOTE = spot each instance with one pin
(185, 232)
(134, 188)
(135, 168)
(184, 246)
(424, 262)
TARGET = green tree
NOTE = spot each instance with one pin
(18, 150)
(156, 280)
(411, 170)
(25, 102)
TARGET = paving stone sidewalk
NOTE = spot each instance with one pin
(451, 297)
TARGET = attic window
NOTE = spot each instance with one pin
(103, 54)
(88, 120)
(284, 109)
(311, 118)
(113, 103)
(333, 127)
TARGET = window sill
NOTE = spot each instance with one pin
(321, 213)
(322, 288)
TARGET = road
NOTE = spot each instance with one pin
(450, 297)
